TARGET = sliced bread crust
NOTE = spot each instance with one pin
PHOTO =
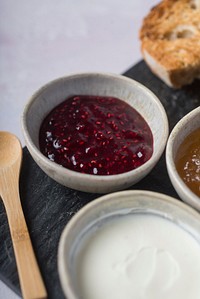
(170, 41)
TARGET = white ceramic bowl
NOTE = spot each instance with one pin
(132, 92)
(183, 128)
(94, 214)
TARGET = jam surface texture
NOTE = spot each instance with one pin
(188, 161)
(96, 135)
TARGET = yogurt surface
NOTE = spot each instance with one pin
(139, 257)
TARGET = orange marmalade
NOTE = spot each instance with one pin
(188, 161)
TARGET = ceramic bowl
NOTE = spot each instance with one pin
(183, 128)
(111, 206)
(99, 84)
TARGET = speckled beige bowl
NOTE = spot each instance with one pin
(132, 92)
(183, 128)
(117, 204)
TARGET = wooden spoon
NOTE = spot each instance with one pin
(31, 282)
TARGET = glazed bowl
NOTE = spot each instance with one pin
(89, 221)
(183, 128)
(97, 84)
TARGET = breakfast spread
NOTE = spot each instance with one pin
(170, 45)
(188, 161)
(144, 256)
(138, 256)
(96, 135)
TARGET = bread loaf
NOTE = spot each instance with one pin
(170, 41)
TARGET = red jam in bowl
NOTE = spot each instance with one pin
(96, 135)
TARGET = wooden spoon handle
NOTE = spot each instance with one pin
(31, 282)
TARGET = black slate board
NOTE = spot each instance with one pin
(48, 206)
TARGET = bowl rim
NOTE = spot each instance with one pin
(78, 175)
(64, 276)
(190, 197)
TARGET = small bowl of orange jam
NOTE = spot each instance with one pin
(183, 158)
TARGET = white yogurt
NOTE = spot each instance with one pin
(139, 257)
